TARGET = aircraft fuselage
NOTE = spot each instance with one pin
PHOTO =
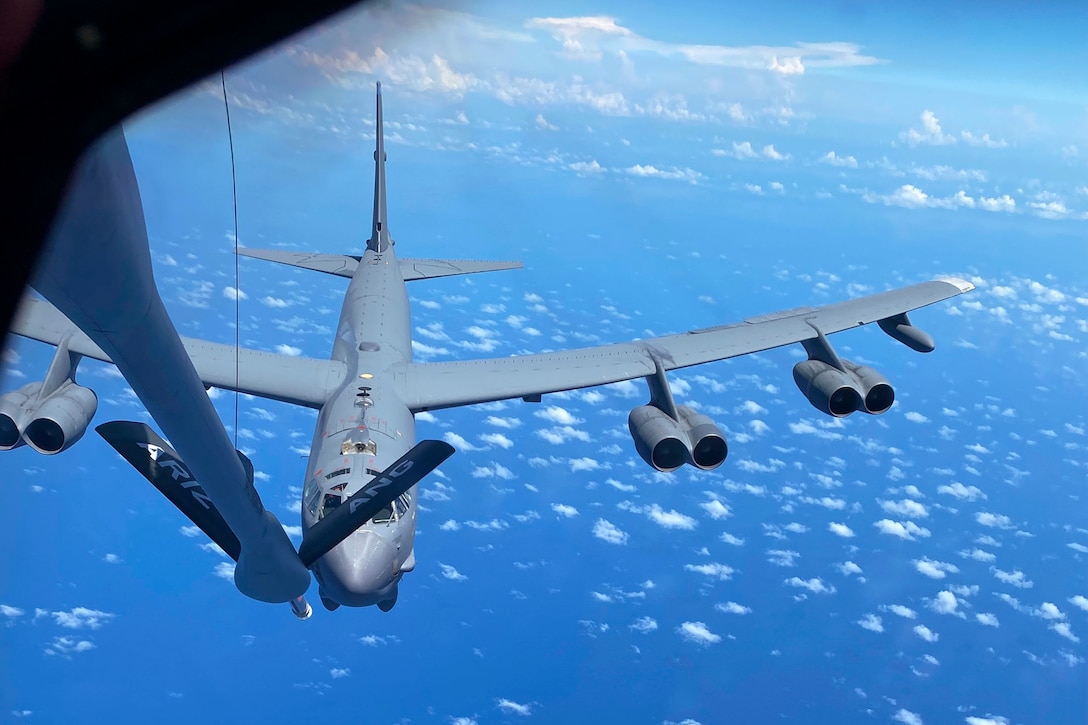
(362, 429)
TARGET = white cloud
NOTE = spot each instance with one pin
(716, 509)
(840, 530)
(930, 133)
(564, 510)
(509, 707)
(689, 175)
(906, 717)
(997, 521)
(67, 646)
(1065, 630)
(495, 470)
(984, 140)
(901, 611)
(644, 625)
(934, 569)
(733, 608)
(451, 573)
(871, 622)
(1003, 203)
(337, 673)
(945, 603)
(909, 530)
(609, 532)
(906, 507)
(543, 124)
(288, 350)
(1079, 601)
(458, 442)
(1049, 610)
(926, 633)
(587, 168)
(713, 569)
(744, 151)
(814, 585)
(496, 439)
(848, 567)
(508, 423)
(789, 66)
(914, 417)
(833, 159)
(987, 619)
(958, 490)
(1015, 578)
(698, 633)
(7, 610)
(233, 294)
(557, 415)
(910, 196)
(978, 555)
(80, 617)
(671, 519)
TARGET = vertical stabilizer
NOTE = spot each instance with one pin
(379, 233)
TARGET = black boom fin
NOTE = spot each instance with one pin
(364, 504)
(162, 466)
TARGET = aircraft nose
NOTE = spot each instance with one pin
(362, 567)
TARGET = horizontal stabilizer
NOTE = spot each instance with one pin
(342, 265)
(160, 464)
(430, 268)
(364, 504)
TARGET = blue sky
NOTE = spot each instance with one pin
(656, 173)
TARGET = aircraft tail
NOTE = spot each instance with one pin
(344, 265)
(379, 232)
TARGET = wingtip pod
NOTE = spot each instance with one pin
(963, 285)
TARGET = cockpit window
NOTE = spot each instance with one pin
(333, 498)
(384, 516)
(312, 496)
(334, 474)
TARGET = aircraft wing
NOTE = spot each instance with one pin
(430, 268)
(432, 386)
(298, 380)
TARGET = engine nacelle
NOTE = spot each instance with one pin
(14, 415)
(877, 393)
(708, 445)
(658, 438)
(829, 390)
(62, 419)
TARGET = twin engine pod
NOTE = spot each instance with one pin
(841, 392)
(667, 444)
(49, 426)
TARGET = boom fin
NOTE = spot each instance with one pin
(364, 504)
(162, 466)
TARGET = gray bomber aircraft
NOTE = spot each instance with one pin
(359, 505)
